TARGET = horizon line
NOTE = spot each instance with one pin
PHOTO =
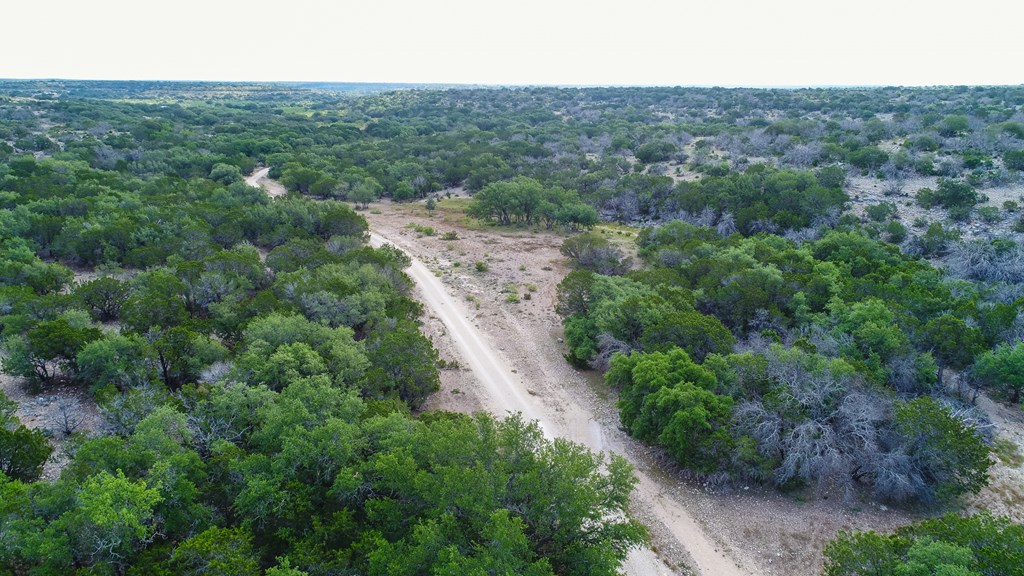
(516, 85)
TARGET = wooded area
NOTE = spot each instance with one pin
(824, 281)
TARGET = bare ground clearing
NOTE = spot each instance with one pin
(866, 191)
(56, 409)
(1004, 494)
(45, 411)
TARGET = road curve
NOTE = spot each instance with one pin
(495, 375)
(261, 179)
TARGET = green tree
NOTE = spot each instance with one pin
(111, 520)
(485, 169)
(573, 294)
(996, 542)
(365, 192)
(947, 457)
(641, 374)
(955, 194)
(868, 157)
(217, 552)
(103, 297)
(126, 361)
(225, 173)
(589, 251)
(690, 422)
(952, 342)
(299, 178)
(954, 125)
(1014, 159)
(1003, 370)
(698, 334)
(876, 335)
(951, 544)
(22, 451)
(286, 364)
(20, 266)
(861, 554)
(403, 362)
(157, 301)
(344, 358)
(655, 152)
(925, 558)
(49, 350)
(506, 202)
(181, 354)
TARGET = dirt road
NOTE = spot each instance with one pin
(490, 370)
(261, 179)
(561, 416)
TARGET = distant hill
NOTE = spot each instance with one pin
(374, 87)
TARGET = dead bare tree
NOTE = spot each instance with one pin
(803, 155)
(984, 261)
(802, 235)
(763, 225)
(820, 427)
(124, 411)
(726, 225)
(896, 478)
(229, 411)
(706, 218)
(1015, 333)
(904, 375)
(607, 347)
(68, 416)
(971, 416)
(893, 186)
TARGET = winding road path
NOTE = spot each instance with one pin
(570, 421)
(261, 179)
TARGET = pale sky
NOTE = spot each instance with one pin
(643, 42)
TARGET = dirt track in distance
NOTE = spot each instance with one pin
(261, 179)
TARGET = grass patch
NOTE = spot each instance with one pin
(1008, 493)
(443, 364)
(511, 291)
(422, 230)
(617, 229)
(1008, 452)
